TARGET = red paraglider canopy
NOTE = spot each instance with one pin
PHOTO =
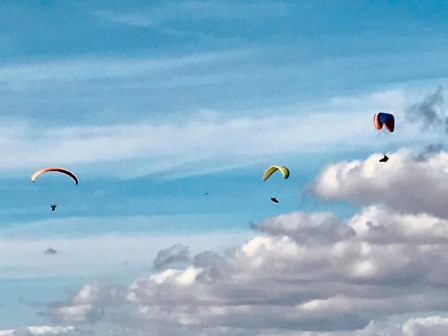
(382, 118)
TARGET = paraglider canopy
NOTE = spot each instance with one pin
(37, 173)
(272, 169)
(383, 118)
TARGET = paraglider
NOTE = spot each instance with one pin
(37, 173)
(383, 118)
(272, 169)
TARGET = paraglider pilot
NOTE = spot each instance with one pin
(385, 158)
(53, 207)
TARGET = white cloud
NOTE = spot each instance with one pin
(306, 273)
(96, 68)
(307, 227)
(432, 325)
(418, 326)
(41, 331)
(407, 182)
(194, 10)
(201, 144)
(192, 143)
(132, 19)
(86, 305)
(172, 255)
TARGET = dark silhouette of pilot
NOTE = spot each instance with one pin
(53, 207)
(385, 158)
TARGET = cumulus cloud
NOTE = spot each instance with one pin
(421, 326)
(405, 183)
(307, 227)
(308, 273)
(297, 278)
(172, 255)
(434, 325)
(86, 305)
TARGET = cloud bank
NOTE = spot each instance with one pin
(307, 272)
(312, 272)
(408, 182)
(381, 272)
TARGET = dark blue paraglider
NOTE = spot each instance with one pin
(383, 118)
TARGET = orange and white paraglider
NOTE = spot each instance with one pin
(39, 172)
(381, 119)
(386, 119)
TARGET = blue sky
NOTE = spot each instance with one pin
(169, 112)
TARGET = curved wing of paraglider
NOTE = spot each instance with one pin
(272, 169)
(382, 118)
(53, 169)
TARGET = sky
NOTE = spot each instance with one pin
(169, 112)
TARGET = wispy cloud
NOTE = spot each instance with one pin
(169, 12)
(431, 112)
(205, 141)
(96, 68)
(132, 19)
(169, 145)
(42, 331)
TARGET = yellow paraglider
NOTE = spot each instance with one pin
(272, 169)
(53, 169)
